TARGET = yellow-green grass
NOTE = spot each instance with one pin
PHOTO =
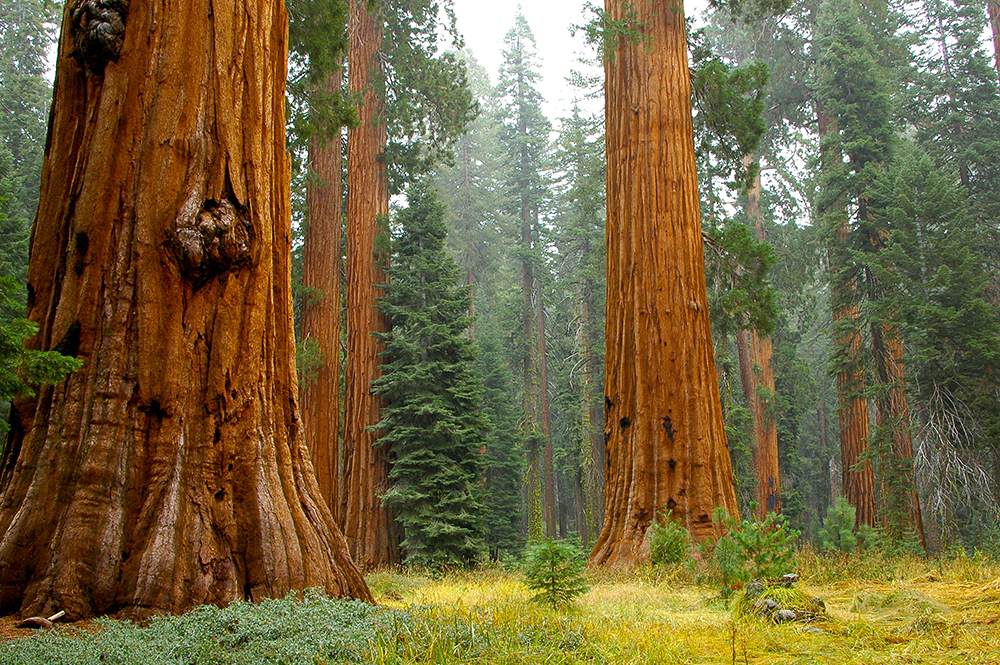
(881, 610)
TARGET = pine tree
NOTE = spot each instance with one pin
(25, 37)
(431, 427)
(524, 137)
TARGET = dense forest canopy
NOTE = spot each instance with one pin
(508, 327)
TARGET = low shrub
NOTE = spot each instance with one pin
(669, 542)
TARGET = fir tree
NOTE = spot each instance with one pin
(25, 35)
(432, 426)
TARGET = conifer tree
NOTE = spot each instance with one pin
(24, 100)
(431, 427)
(524, 137)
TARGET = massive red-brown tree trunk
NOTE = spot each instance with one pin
(757, 379)
(893, 412)
(666, 444)
(321, 311)
(994, 9)
(170, 470)
(855, 427)
(368, 525)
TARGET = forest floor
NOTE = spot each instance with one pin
(881, 610)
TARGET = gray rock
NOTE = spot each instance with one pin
(781, 616)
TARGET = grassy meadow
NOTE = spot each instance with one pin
(881, 610)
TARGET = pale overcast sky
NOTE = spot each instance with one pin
(485, 22)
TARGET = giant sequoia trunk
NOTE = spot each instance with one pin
(855, 428)
(321, 311)
(893, 413)
(857, 471)
(367, 524)
(666, 444)
(757, 379)
(170, 470)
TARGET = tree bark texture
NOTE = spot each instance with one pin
(994, 10)
(665, 440)
(321, 313)
(757, 378)
(368, 525)
(170, 470)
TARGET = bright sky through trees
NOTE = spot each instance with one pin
(484, 25)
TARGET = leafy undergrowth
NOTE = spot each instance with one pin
(881, 611)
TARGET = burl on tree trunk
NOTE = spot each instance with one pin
(666, 445)
(170, 470)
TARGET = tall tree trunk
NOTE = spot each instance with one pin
(666, 443)
(533, 476)
(548, 472)
(592, 442)
(855, 429)
(893, 412)
(994, 9)
(321, 313)
(757, 379)
(170, 470)
(368, 525)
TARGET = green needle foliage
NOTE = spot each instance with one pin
(555, 569)
(431, 423)
(22, 368)
(752, 549)
(668, 540)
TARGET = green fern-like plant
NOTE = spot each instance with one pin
(554, 568)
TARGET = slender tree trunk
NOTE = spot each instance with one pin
(994, 9)
(548, 472)
(592, 443)
(666, 443)
(368, 525)
(170, 470)
(321, 312)
(757, 378)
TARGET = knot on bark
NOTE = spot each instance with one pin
(98, 30)
(217, 239)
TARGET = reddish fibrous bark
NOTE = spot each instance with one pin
(321, 262)
(665, 439)
(367, 523)
(170, 470)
